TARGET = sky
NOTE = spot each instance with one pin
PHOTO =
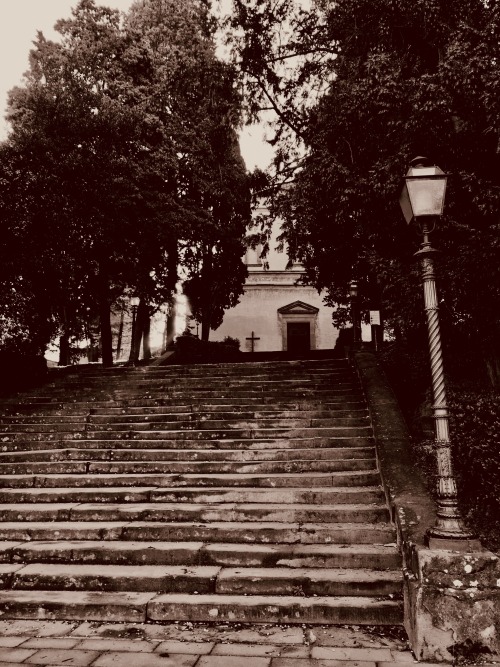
(19, 22)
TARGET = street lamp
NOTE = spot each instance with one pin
(422, 199)
(355, 317)
(134, 302)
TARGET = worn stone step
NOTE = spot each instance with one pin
(212, 424)
(132, 607)
(207, 512)
(137, 578)
(191, 434)
(266, 395)
(186, 425)
(275, 609)
(227, 406)
(159, 404)
(307, 581)
(127, 416)
(258, 532)
(119, 552)
(150, 454)
(192, 495)
(186, 372)
(254, 444)
(184, 467)
(284, 480)
(225, 434)
(184, 415)
(119, 607)
(33, 420)
(200, 389)
(257, 382)
(199, 579)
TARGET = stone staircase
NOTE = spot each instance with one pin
(239, 492)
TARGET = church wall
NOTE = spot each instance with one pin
(258, 312)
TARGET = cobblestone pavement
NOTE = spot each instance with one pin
(57, 643)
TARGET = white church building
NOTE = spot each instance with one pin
(275, 313)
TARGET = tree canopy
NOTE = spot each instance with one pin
(361, 87)
(116, 158)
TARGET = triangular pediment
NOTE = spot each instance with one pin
(298, 308)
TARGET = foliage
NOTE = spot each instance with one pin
(475, 423)
(190, 349)
(399, 78)
(118, 155)
(474, 432)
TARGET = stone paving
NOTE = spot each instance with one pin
(60, 643)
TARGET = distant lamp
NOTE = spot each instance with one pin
(424, 190)
(355, 314)
(134, 303)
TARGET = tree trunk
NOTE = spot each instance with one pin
(146, 340)
(170, 325)
(64, 349)
(120, 335)
(206, 272)
(140, 327)
(105, 319)
(205, 329)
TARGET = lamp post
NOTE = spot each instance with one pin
(422, 199)
(355, 317)
(134, 302)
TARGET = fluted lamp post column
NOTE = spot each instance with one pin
(422, 200)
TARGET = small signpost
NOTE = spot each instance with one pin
(252, 340)
(375, 322)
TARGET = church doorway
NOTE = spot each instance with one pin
(298, 337)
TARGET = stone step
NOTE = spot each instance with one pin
(184, 413)
(129, 607)
(254, 444)
(191, 403)
(307, 582)
(119, 552)
(187, 424)
(353, 495)
(184, 467)
(197, 371)
(137, 578)
(202, 512)
(200, 579)
(192, 434)
(116, 454)
(287, 480)
(258, 532)
(274, 609)
(208, 394)
(225, 410)
(245, 492)
(25, 421)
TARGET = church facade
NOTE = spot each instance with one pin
(276, 313)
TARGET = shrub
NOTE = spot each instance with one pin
(190, 349)
(475, 427)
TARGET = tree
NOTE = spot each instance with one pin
(202, 113)
(403, 79)
(110, 160)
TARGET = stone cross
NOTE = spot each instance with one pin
(253, 338)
